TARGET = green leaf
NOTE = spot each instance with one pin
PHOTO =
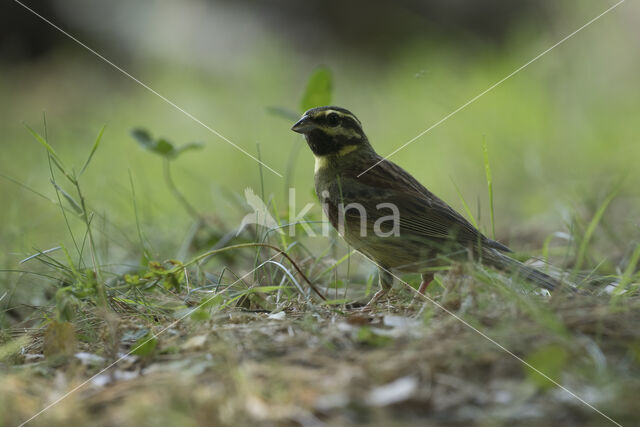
(551, 361)
(158, 146)
(163, 147)
(318, 91)
(187, 147)
(143, 137)
(145, 345)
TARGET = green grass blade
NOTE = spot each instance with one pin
(26, 187)
(63, 210)
(335, 264)
(283, 236)
(93, 151)
(466, 206)
(46, 251)
(627, 276)
(75, 205)
(74, 271)
(145, 252)
(591, 228)
(44, 143)
(487, 170)
(54, 156)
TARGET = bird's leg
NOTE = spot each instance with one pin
(427, 278)
(385, 281)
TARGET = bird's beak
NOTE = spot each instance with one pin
(303, 125)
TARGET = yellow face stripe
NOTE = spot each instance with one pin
(323, 161)
(347, 149)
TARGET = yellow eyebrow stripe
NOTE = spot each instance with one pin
(340, 113)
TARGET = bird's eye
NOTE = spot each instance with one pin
(333, 119)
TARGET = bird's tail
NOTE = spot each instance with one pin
(504, 262)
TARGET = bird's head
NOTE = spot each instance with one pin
(331, 130)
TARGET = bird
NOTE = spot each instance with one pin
(386, 214)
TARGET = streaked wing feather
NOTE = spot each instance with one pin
(421, 211)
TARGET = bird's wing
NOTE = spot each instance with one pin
(421, 212)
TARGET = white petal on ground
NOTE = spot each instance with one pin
(394, 392)
(277, 316)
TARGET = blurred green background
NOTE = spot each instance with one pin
(561, 133)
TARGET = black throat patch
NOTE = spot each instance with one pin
(323, 144)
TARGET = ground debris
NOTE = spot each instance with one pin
(334, 367)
